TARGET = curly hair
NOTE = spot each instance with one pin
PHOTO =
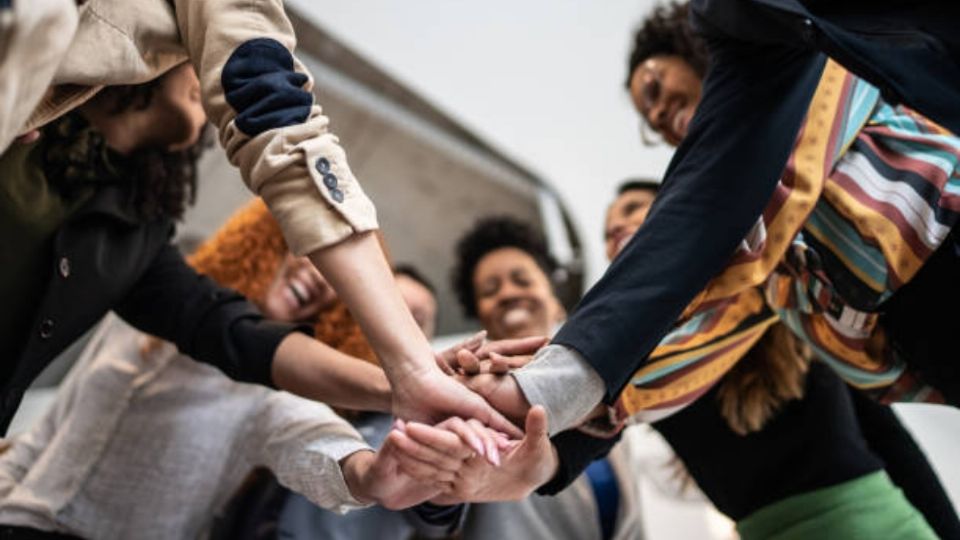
(246, 253)
(490, 234)
(667, 31)
(161, 181)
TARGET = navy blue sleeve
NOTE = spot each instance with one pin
(719, 181)
(207, 322)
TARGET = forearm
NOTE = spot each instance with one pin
(308, 368)
(359, 272)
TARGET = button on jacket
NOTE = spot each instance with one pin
(108, 259)
(242, 51)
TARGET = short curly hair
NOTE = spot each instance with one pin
(667, 31)
(490, 234)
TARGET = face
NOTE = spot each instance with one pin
(513, 296)
(666, 91)
(624, 217)
(298, 292)
(177, 102)
(421, 302)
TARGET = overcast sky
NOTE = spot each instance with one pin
(542, 80)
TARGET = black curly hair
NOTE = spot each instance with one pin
(490, 234)
(667, 31)
(158, 182)
(638, 184)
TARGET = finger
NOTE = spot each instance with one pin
(472, 344)
(444, 365)
(508, 362)
(484, 412)
(450, 437)
(492, 452)
(536, 424)
(524, 346)
(497, 366)
(425, 453)
(468, 362)
(29, 137)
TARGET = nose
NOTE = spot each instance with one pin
(509, 292)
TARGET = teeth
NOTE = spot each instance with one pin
(300, 292)
(516, 316)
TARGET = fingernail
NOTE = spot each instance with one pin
(477, 446)
(495, 456)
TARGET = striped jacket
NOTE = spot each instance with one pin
(869, 193)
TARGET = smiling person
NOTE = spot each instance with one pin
(751, 154)
(503, 277)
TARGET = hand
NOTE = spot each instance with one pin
(449, 361)
(527, 465)
(431, 396)
(501, 391)
(382, 479)
(407, 471)
(468, 363)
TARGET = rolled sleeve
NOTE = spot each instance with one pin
(303, 442)
(259, 97)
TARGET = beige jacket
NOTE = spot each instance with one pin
(300, 170)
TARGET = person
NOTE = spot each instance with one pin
(627, 212)
(502, 277)
(134, 408)
(419, 295)
(88, 211)
(766, 62)
(57, 55)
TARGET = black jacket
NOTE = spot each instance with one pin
(106, 258)
(832, 435)
(766, 58)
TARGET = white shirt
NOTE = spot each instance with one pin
(153, 444)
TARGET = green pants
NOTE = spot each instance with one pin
(867, 508)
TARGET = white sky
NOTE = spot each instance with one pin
(542, 80)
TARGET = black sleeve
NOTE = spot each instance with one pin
(717, 185)
(207, 322)
(906, 464)
(576, 450)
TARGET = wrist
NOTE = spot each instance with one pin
(356, 473)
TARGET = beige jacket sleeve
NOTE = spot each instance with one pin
(303, 442)
(260, 97)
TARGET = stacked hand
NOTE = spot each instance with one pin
(463, 460)
(429, 394)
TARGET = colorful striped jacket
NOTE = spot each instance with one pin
(868, 193)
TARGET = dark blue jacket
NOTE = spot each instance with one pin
(766, 57)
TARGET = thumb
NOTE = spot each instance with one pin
(536, 424)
